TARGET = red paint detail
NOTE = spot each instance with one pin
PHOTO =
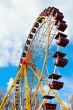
(27, 58)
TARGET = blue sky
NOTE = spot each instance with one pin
(16, 20)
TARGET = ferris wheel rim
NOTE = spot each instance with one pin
(45, 57)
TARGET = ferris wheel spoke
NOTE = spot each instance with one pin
(43, 52)
(42, 56)
(41, 86)
(47, 70)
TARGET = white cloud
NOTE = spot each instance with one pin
(9, 83)
(15, 23)
(16, 20)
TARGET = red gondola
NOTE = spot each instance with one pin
(62, 41)
(26, 49)
(49, 106)
(61, 26)
(60, 35)
(56, 85)
(48, 97)
(30, 36)
(28, 42)
(49, 11)
(53, 11)
(23, 54)
(45, 12)
(61, 62)
(36, 25)
(33, 30)
(40, 20)
(59, 54)
(58, 16)
(55, 76)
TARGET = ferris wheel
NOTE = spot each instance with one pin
(38, 77)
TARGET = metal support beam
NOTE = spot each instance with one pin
(27, 94)
(10, 90)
